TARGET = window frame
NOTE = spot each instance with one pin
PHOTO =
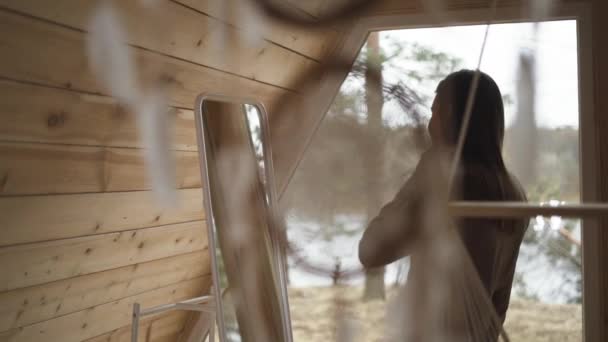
(581, 12)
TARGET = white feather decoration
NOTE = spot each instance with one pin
(109, 56)
(112, 63)
(155, 124)
(252, 19)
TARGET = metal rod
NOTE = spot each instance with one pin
(195, 307)
(135, 323)
(172, 306)
(278, 256)
(212, 329)
(519, 209)
(202, 148)
(201, 304)
(470, 100)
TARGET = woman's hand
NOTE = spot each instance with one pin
(390, 235)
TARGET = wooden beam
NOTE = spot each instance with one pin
(595, 242)
(394, 7)
(29, 46)
(178, 31)
(104, 318)
(293, 128)
(46, 169)
(68, 216)
(39, 263)
(47, 115)
(46, 301)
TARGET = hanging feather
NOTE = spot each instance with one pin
(217, 32)
(112, 63)
(252, 18)
(109, 56)
(155, 123)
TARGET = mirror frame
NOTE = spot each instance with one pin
(270, 187)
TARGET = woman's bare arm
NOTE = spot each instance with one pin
(389, 235)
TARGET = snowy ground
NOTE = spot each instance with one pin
(313, 313)
(542, 279)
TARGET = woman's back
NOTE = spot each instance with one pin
(461, 271)
(472, 270)
(493, 244)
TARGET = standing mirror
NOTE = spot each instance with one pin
(248, 271)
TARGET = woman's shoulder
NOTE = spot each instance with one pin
(519, 193)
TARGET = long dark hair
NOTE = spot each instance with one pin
(483, 142)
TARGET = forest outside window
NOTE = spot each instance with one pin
(329, 206)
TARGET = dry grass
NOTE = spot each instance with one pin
(314, 312)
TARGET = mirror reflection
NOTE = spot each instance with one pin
(251, 306)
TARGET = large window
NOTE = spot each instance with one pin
(331, 197)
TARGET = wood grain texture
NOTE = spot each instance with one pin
(162, 328)
(314, 43)
(29, 46)
(47, 115)
(39, 263)
(84, 247)
(47, 169)
(68, 216)
(175, 30)
(104, 318)
(43, 302)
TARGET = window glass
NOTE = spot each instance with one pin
(358, 160)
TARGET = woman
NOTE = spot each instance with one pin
(402, 226)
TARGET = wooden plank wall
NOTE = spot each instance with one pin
(81, 236)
